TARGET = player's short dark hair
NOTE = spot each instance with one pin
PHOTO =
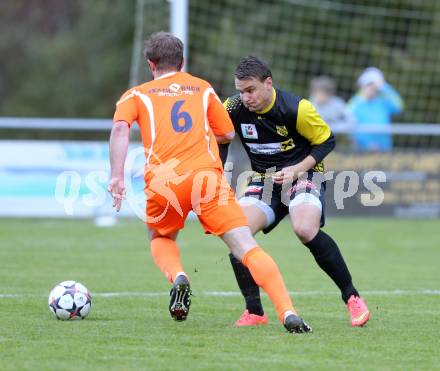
(251, 66)
(165, 50)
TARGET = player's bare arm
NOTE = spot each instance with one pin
(119, 139)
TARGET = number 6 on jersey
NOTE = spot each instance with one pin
(176, 116)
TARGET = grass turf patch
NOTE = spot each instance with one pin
(135, 331)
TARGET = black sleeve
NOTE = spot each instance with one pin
(319, 151)
(223, 149)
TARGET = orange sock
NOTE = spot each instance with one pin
(266, 274)
(166, 256)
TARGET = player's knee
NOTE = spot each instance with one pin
(305, 231)
(239, 240)
(152, 234)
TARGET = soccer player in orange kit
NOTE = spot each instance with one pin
(181, 121)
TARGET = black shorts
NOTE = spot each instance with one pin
(275, 200)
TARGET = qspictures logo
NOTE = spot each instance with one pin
(163, 179)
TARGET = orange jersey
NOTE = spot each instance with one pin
(179, 116)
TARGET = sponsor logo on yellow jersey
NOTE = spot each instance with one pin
(282, 130)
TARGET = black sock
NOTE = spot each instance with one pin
(248, 287)
(326, 253)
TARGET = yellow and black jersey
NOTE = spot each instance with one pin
(285, 133)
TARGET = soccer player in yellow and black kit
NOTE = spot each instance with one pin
(286, 141)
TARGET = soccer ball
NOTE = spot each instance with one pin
(70, 300)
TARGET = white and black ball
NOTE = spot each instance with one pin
(70, 300)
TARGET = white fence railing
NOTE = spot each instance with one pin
(105, 124)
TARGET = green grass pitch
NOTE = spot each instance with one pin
(133, 329)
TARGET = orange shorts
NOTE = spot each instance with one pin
(204, 191)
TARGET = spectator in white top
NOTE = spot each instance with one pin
(332, 108)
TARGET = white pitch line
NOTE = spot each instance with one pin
(397, 292)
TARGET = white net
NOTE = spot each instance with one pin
(301, 39)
